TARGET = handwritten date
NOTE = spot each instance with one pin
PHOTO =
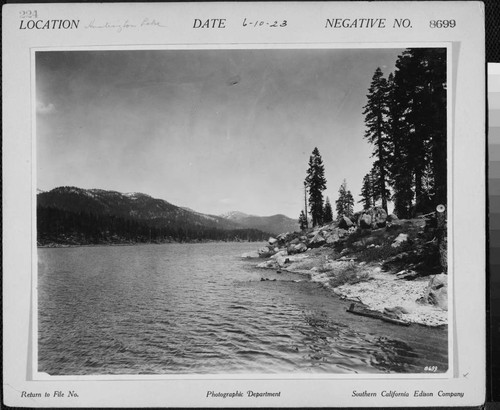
(262, 23)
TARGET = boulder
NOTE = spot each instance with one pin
(318, 240)
(373, 218)
(279, 254)
(365, 221)
(295, 241)
(401, 238)
(282, 260)
(333, 237)
(299, 248)
(272, 241)
(379, 217)
(345, 223)
(265, 252)
(283, 237)
(392, 218)
(313, 233)
(436, 293)
(342, 232)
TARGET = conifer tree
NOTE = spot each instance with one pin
(349, 204)
(367, 192)
(316, 183)
(305, 206)
(302, 221)
(418, 131)
(400, 133)
(328, 213)
(376, 112)
(345, 203)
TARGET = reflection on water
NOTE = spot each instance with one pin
(199, 308)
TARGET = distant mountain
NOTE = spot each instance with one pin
(275, 224)
(108, 212)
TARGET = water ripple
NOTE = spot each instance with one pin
(196, 308)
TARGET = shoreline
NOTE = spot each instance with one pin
(92, 245)
(392, 269)
(379, 291)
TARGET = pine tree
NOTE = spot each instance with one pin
(316, 183)
(376, 111)
(417, 129)
(339, 203)
(349, 205)
(327, 213)
(345, 203)
(400, 133)
(302, 221)
(305, 206)
(367, 192)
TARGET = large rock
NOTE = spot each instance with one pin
(365, 221)
(436, 293)
(283, 237)
(279, 254)
(272, 241)
(345, 223)
(333, 237)
(401, 238)
(318, 240)
(298, 248)
(392, 218)
(282, 260)
(265, 252)
(379, 217)
(373, 218)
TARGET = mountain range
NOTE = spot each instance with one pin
(275, 224)
(109, 212)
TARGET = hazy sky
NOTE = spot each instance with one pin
(213, 130)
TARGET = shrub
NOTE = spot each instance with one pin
(383, 252)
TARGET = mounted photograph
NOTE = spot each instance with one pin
(243, 211)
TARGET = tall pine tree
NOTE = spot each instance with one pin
(375, 112)
(345, 203)
(316, 184)
(367, 192)
(417, 129)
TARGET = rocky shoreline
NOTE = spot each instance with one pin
(379, 262)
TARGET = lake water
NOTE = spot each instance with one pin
(200, 308)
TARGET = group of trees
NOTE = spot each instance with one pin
(345, 203)
(314, 184)
(405, 119)
(79, 228)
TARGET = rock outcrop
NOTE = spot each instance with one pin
(436, 293)
(373, 218)
(345, 223)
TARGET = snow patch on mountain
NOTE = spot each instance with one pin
(234, 215)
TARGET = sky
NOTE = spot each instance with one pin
(212, 130)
